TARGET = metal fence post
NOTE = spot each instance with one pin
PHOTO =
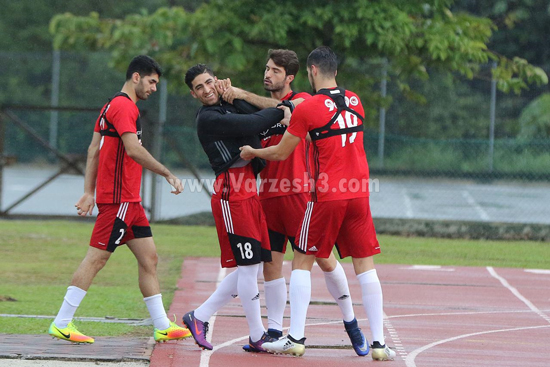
(382, 119)
(492, 118)
(2, 158)
(54, 114)
(157, 149)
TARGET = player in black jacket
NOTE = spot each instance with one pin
(242, 231)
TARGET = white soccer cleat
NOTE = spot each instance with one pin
(382, 352)
(286, 345)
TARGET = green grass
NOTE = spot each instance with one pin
(37, 260)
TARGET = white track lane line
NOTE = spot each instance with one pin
(516, 293)
(205, 354)
(470, 199)
(408, 359)
(408, 204)
(394, 337)
(412, 356)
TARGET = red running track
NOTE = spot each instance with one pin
(436, 316)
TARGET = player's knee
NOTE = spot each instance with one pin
(273, 270)
(149, 263)
(326, 265)
(302, 261)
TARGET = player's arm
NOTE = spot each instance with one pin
(86, 203)
(138, 153)
(232, 93)
(238, 125)
(278, 152)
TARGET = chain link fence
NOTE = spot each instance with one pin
(437, 162)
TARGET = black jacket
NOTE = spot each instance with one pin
(224, 128)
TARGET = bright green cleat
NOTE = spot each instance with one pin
(174, 332)
(70, 333)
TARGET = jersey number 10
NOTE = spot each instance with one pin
(350, 120)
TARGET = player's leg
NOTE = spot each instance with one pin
(300, 296)
(275, 285)
(93, 262)
(358, 240)
(139, 240)
(277, 216)
(250, 245)
(225, 292)
(337, 285)
(95, 259)
(62, 326)
(146, 255)
(373, 302)
(198, 320)
(247, 288)
(317, 233)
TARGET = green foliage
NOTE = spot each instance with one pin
(535, 118)
(522, 27)
(24, 23)
(234, 35)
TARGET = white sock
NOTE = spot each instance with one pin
(247, 286)
(275, 302)
(337, 285)
(72, 300)
(157, 311)
(225, 292)
(300, 295)
(373, 303)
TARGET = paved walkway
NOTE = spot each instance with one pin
(40, 350)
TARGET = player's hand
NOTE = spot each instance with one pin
(85, 205)
(177, 186)
(233, 93)
(229, 95)
(286, 120)
(247, 152)
(222, 85)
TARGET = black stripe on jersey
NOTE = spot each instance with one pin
(117, 189)
(226, 186)
(316, 171)
(308, 166)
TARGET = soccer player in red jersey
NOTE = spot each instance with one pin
(222, 129)
(113, 177)
(284, 193)
(339, 209)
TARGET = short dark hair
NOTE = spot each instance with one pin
(285, 58)
(144, 65)
(325, 59)
(194, 71)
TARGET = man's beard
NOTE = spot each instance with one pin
(273, 87)
(140, 93)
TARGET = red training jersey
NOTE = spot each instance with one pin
(339, 162)
(287, 177)
(118, 175)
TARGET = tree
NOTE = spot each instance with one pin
(234, 35)
(535, 119)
